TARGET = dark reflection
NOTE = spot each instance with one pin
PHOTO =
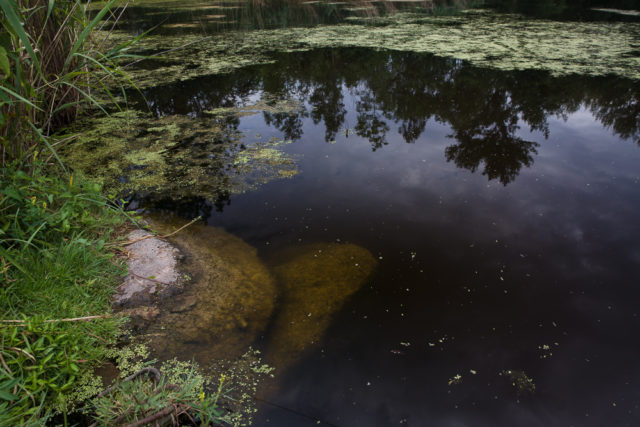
(192, 16)
(395, 90)
(568, 9)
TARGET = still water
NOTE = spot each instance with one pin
(501, 208)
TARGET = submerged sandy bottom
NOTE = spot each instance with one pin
(232, 298)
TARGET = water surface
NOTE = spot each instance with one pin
(501, 208)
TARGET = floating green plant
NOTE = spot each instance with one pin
(487, 39)
(176, 156)
(520, 381)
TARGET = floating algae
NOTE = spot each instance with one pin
(314, 285)
(176, 156)
(225, 307)
(487, 39)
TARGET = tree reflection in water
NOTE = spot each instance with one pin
(483, 107)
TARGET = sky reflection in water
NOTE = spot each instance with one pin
(502, 208)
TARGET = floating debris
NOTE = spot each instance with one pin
(456, 379)
(484, 38)
(175, 156)
(519, 379)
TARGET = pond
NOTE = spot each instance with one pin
(484, 215)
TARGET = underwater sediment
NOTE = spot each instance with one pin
(314, 285)
(226, 305)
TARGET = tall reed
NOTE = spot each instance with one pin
(51, 66)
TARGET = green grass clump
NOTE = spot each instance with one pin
(53, 265)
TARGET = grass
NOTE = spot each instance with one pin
(57, 273)
(54, 266)
(53, 225)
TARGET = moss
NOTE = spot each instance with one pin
(260, 162)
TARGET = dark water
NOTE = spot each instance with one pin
(566, 9)
(502, 207)
(172, 17)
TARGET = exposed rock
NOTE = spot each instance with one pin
(229, 297)
(153, 271)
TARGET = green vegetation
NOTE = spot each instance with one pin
(52, 68)
(54, 225)
(180, 391)
(177, 388)
(57, 269)
(179, 157)
(54, 266)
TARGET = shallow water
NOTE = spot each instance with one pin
(501, 208)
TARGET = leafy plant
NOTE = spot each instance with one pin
(52, 266)
(177, 390)
(41, 364)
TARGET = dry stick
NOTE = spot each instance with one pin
(166, 411)
(130, 242)
(97, 337)
(26, 353)
(113, 26)
(60, 141)
(73, 319)
(4, 364)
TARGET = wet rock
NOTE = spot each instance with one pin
(225, 306)
(183, 303)
(315, 285)
(153, 271)
(142, 313)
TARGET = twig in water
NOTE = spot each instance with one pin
(130, 242)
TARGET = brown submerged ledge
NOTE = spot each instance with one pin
(207, 296)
